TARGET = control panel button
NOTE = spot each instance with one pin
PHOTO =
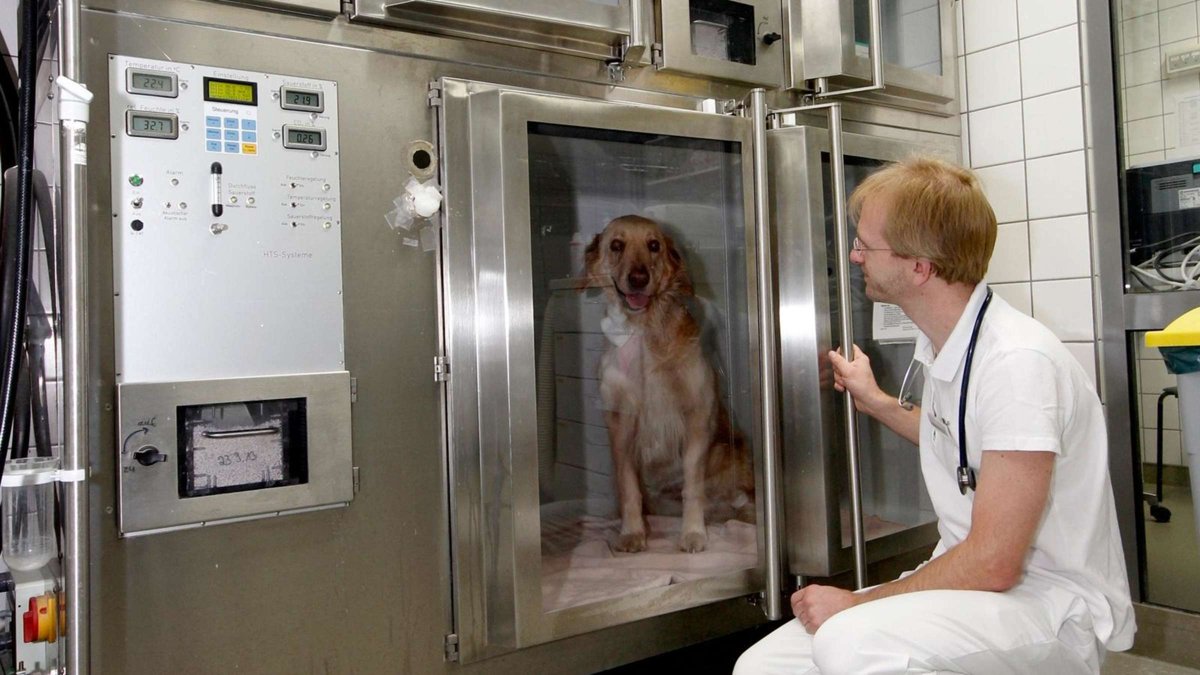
(137, 225)
(249, 137)
(232, 147)
(249, 148)
(212, 146)
(231, 134)
(210, 121)
(250, 125)
(148, 455)
(212, 134)
(231, 123)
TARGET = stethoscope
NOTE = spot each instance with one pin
(966, 475)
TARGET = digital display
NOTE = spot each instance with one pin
(230, 91)
(303, 138)
(302, 99)
(151, 125)
(151, 83)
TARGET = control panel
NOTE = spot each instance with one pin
(226, 219)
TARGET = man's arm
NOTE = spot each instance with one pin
(1009, 502)
(869, 399)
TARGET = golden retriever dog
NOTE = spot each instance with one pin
(670, 435)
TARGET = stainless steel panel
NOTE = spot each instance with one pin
(384, 565)
(489, 327)
(150, 496)
(1116, 312)
(822, 44)
(814, 463)
(326, 8)
(680, 53)
(592, 28)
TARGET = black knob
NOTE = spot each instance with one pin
(148, 455)
(771, 38)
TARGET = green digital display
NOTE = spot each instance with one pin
(230, 91)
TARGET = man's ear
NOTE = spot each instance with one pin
(923, 270)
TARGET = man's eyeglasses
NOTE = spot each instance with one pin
(859, 246)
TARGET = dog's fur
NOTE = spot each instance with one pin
(670, 434)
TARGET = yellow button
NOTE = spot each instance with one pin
(249, 148)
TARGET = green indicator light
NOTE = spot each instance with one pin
(135, 180)
(1196, 168)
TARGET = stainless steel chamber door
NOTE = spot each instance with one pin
(593, 28)
(832, 39)
(530, 180)
(898, 516)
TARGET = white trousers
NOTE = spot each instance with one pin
(969, 632)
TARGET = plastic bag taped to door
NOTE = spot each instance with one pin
(644, 363)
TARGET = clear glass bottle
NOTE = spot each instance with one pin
(28, 506)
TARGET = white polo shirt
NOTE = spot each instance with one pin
(1028, 393)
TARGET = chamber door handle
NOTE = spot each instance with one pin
(874, 53)
(634, 47)
(241, 433)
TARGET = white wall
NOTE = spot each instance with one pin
(1023, 133)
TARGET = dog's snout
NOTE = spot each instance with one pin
(639, 277)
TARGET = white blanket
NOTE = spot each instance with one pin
(580, 566)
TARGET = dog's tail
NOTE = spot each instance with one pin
(730, 472)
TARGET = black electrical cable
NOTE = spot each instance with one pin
(16, 253)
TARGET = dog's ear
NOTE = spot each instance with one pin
(591, 257)
(681, 282)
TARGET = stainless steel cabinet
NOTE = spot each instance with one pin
(833, 39)
(738, 40)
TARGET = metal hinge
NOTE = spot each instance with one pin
(452, 647)
(434, 96)
(354, 390)
(357, 481)
(348, 7)
(656, 55)
(441, 369)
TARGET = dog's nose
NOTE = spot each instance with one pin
(639, 277)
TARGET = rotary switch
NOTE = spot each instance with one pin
(148, 455)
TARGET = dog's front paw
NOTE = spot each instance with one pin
(631, 542)
(693, 542)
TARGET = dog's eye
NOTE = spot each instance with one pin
(654, 246)
(617, 246)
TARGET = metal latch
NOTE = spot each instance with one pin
(434, 96)
(452, 647)
(656, 54)
(441, 369)
(354, 390)
(355, 479)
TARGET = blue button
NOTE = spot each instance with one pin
(232, 147)
(212, 146)
(231, 134)
(231, 123)
(249, 137)
(212, 121)
(212, 134)
(250, 125)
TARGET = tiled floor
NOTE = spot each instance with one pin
(1128, 664)
(1173, 553)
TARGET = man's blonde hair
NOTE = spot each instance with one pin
(937, 211)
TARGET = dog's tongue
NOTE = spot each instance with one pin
(637, 300)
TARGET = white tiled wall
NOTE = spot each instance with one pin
(1023, 132)
(1148, 30)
